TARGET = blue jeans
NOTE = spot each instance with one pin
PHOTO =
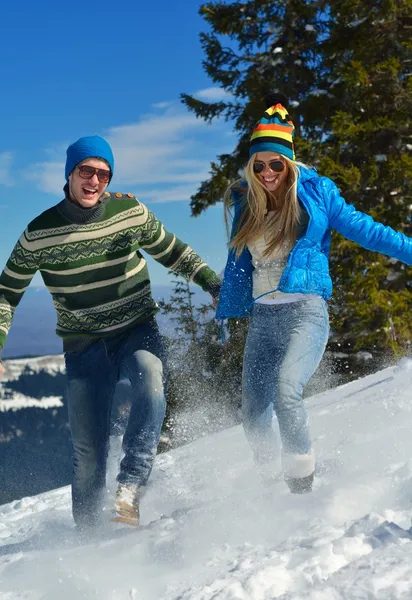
(92, 375)
(284, 346)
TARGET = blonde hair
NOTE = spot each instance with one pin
(280, 229)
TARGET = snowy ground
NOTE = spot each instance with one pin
(211, 530)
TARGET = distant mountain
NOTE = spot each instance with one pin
(33, 329)
(35, 444)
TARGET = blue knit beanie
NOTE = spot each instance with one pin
(88, 147)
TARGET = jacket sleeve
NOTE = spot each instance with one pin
(361, 228)
(177, 256)
(14, 281)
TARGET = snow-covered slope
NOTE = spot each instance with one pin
(211, 530)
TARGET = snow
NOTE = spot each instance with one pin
(357, 22)
(52, 364)
(211, 529)
(363, 356)
(317, 92)
(276, 62)
(13, 369)
(21, 401)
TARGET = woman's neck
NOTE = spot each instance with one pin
(274, 201)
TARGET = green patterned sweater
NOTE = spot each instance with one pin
(90, 262)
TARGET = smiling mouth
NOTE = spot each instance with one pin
(89, 192)
(269, 179)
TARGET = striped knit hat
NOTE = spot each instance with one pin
(274, 132)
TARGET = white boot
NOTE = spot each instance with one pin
(299, 471)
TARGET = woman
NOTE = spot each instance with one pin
(277, 272)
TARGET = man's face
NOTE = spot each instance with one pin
(85, 188)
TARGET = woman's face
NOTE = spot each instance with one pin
(271, 169)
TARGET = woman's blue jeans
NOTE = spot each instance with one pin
(92, 375)
(284, 346)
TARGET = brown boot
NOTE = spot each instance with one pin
(127, 504)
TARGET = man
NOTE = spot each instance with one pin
(87, 249)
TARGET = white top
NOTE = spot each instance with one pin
(268, 271)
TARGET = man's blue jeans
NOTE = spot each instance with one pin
(284, 346)
(92, 375)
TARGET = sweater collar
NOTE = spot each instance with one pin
(76, 214)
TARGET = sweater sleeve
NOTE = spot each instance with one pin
(177, 256)
(14, 281)
(362, 229)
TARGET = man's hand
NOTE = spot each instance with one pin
(215, 293)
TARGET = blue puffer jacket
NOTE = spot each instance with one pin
(307, 269)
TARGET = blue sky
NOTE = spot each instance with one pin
(115, 70)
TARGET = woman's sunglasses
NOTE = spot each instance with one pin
(275, 165)
(87, 171)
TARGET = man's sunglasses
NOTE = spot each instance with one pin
(86, 172)
(275, 165)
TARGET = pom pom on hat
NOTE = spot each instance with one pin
(275, 131)
(276, 98)
(88, 147)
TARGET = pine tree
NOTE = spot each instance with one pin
(368, 57)
(345, 66)
(184, 313)
(271, 46)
